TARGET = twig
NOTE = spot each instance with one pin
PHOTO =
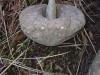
(69, 70)
(12, 63)
(79, 63)
(46, 57)
(90, 40)
(6, 34)
(86, 12)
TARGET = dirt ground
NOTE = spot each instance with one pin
(82, 48)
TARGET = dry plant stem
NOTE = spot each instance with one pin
(88, 5)
(6, 34)
(85, 11)
(75, 43)
(20, 66)
(85, 41)
(2, 50)
(46, 57)
(15, 59)
(80, 62)
(20, 47)
(77, 36)
(69, 70)
(26, 51)
(28, 68)
(39, 62)
(16, 32)
(4, 41)
(12, 63)
(90, 40)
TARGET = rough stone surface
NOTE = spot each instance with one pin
(0, 7)
(51, 32)
(95, 67)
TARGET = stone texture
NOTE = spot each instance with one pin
(0, 7)
(95, 67)
(51, 32)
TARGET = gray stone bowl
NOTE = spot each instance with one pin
(53, 32)
(95, 67)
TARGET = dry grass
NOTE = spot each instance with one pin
(26, 57)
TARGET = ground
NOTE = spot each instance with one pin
(20, 56)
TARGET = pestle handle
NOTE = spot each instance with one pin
(51, 10)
